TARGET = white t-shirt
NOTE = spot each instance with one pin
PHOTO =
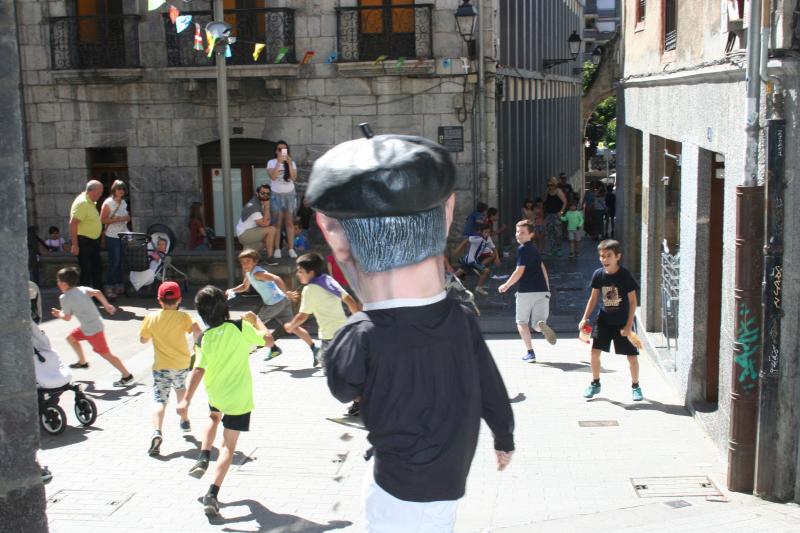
(113, 229)
(280, 185)
(477, 247)
(56, 244)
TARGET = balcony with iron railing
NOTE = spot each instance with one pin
(273, 27)
(395, 31)
(94, 42)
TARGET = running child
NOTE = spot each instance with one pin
(167, 329)
(481, 252)
(322, 297)
(533, 294)
(275, 305)
(223, 365)
(77, 301)
(615, 289)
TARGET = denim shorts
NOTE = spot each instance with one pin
(164, 380)
(283, 202)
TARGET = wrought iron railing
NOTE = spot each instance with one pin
(87, 42)
(273, 27)
(394, 30)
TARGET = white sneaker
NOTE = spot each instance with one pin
(547, 331)
(292, 253)
(277, 254)
(480, 290)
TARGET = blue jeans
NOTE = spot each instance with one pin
(114, 249)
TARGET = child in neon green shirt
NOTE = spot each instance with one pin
(574, 220)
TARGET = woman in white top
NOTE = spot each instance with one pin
(114, 214)
(283, 173)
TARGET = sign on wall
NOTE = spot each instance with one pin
(452, 138)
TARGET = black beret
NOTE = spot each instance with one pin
(387, 175)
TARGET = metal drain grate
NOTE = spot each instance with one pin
(69, 504)
(674, 487)
(597, 423)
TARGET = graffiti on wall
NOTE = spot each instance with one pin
(749, 339)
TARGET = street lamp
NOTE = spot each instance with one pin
(597, 55)
(466, 17)
(574, 41)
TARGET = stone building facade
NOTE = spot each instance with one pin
(111, 90)
(682, 151)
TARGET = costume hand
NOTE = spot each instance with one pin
(182, 409)
(503, 459)
(73, 249)
(249, 317)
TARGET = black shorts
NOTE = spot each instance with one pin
(233, 422)
(603, 334)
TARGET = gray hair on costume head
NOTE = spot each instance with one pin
(384, 243)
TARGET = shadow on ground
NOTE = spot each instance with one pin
(268, 521)
(648, 405)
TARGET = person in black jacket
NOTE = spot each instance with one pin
(415, 358)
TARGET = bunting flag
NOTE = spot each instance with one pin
(400, 62)
(182, 22)
(154, 4)
(212, 40)
(380, 60)
(332, 58)
(173, 13)
(465, 64)
(257, 50)
(446, 62)
(281, 55)
(307, 57)
(228, 52)
(419, 63)
(198, 38)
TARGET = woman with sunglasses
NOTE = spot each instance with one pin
(555, 203)
(114, 214)
(255, 228)
(283, 173)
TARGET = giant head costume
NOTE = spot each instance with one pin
(384, 204)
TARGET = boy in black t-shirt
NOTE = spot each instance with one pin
(615, 289)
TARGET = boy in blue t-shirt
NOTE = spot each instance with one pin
(276, 306)
(533, 295)
(615, 289)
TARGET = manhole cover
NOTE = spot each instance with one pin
(85, 504)
(282, 462)
(674, 486)
(597, 423)
(677, 504)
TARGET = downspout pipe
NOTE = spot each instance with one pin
(748, 273)
(482, 122)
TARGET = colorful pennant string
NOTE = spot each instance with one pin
(228, 52)
(212, 40)
(380, 60)
(332, 58)
(198, 38)
(446, 62)
(257, 50)
(307, 57)
(154, 4)
(400, 62)
(173, 13)
(182, 22)
(419, 63)
(281, 55)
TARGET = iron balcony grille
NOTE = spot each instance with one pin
(89, 42)
(273, 27)
(394, 30)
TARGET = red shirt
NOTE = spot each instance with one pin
(195, 237)
(336, 272)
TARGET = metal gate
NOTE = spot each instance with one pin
(670, 288)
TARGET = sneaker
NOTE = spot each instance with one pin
(199, 468)
(273, 353)
(269, 261)
(354, 409)
(292, 253)
(79, 365)
(210, 505)
(529, 357)
(592, 390)
(480, 290)
(155, 444)
(636, 393)
(314, 352)
(124, 382)
(547, 331)
(186, 426)
(277, 254)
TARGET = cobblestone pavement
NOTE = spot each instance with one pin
(577, 466)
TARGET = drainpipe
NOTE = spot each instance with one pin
(747, 284)
(772, 296)
(483, 174)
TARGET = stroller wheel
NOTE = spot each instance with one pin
(53, 419)
(85, 410)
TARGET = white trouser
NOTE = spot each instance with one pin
(386, 514)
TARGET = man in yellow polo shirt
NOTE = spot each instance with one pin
(84, 230)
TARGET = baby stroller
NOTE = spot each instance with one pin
(53, 378)
(147, 257)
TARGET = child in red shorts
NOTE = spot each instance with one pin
(78, 301)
